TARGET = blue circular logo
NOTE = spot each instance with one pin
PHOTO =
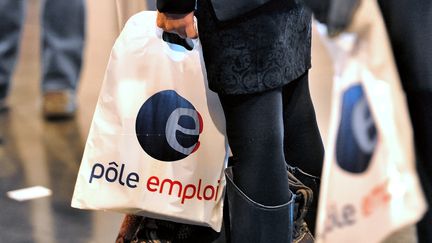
(168, 126)
(357, 136)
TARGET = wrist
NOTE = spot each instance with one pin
(176, 6)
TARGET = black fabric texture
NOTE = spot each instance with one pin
(175, 6)
(226, 10)
(258, 52)
(259, 126)
(303, 145)
(255, 135)
(320, 9)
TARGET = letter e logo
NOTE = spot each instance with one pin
(357, 136)
(168, 126)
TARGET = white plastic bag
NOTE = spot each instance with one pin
(370, 187)
(156, 145)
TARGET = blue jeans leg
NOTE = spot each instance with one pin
(11, 20)
(63, 34)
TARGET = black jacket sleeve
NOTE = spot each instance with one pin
(229, 9)
(175, 6)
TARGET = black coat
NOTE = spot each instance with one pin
(224, 9)
(409, 24)
(262, 49)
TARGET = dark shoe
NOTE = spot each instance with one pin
(303, 201)
(155, 231)
(59, 104)
(253, 222)
(129, 227)
(312, 183)
(162, 231)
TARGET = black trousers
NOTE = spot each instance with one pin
(268, 129)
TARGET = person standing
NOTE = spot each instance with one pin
(257, 59)
(62, 43)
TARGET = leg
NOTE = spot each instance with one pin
(62, 43)
(302, 140)
(62, 50)
(260, 203)
(11, 21)
(254, 129)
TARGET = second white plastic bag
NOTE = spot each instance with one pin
(370, 186)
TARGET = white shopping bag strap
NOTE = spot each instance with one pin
(194, 43)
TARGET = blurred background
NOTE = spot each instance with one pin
(36, 152)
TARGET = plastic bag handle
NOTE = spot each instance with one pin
(188, 43)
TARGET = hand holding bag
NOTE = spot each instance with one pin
(156, 145)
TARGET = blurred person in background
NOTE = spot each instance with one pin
(62, 43)
(409, 26)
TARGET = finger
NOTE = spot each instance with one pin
(191, 31)
(170, 28)
(160, 20)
